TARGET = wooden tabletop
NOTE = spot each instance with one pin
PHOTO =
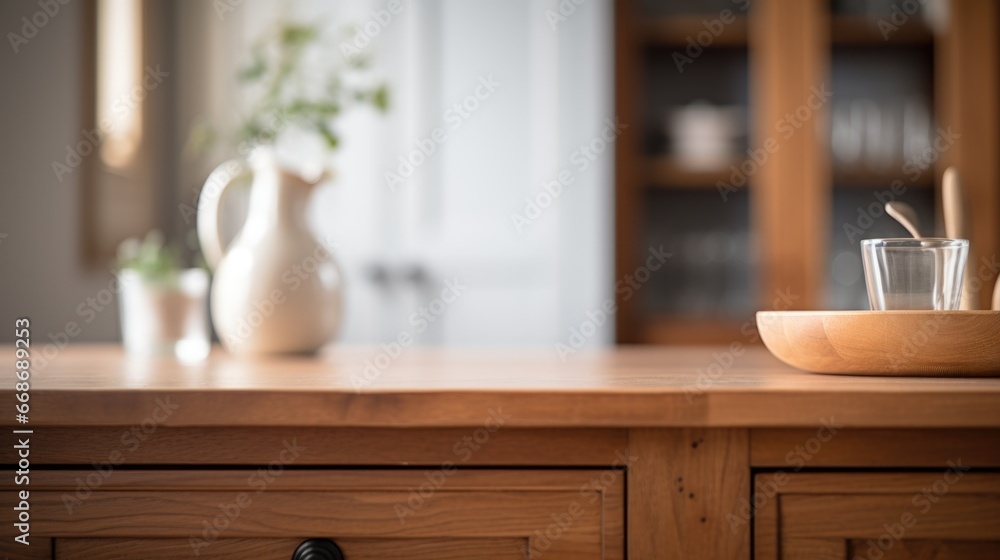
(624, 387)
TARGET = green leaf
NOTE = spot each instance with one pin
(327, 133)
(360, 62)
(381, 98)
(255, 71)
(297, 35)
(278, 69)
(150, 257)
(326, 108)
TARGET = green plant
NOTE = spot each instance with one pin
(290, 96)
(150, 257)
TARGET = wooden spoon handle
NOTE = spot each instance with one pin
(951, 199)
(956, 227)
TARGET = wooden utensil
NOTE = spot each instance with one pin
(928, 343)
(996, 295)
(906, 215)
(956, 227)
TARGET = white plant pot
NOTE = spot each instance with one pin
(165, 317)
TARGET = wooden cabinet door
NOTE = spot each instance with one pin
(378, 514)
(944, 515)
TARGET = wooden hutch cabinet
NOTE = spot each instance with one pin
(770, 133)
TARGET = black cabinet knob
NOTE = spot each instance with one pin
(318, 549)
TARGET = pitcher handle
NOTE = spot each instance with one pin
(209, 203)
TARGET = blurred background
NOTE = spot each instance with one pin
(754, 141)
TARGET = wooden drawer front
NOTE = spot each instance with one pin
(883, 516)
(370, 514)
(282, 549)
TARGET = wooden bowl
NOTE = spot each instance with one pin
(931, 343)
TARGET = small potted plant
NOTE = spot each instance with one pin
(163, 305)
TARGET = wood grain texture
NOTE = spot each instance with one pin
(789, 60)
(907, 343)
(887, 482)
(810, 548)
(968, 108)
(682, 484)
(549, 510)
(766, 520)
(735, 386)
(39, 548)
(927, 550)
(282, 549)
(629, 98)
(309, 479)
(828, 515)
(328, 446)
(956, 516)
(784, 448)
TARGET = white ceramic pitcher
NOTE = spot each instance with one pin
(276, 289)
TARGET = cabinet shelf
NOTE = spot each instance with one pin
(674, 31)
(666, 172)
(863, 178)
(866, 31)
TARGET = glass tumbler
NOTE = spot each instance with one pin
(921, 274)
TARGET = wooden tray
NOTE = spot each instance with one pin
(931, 343)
